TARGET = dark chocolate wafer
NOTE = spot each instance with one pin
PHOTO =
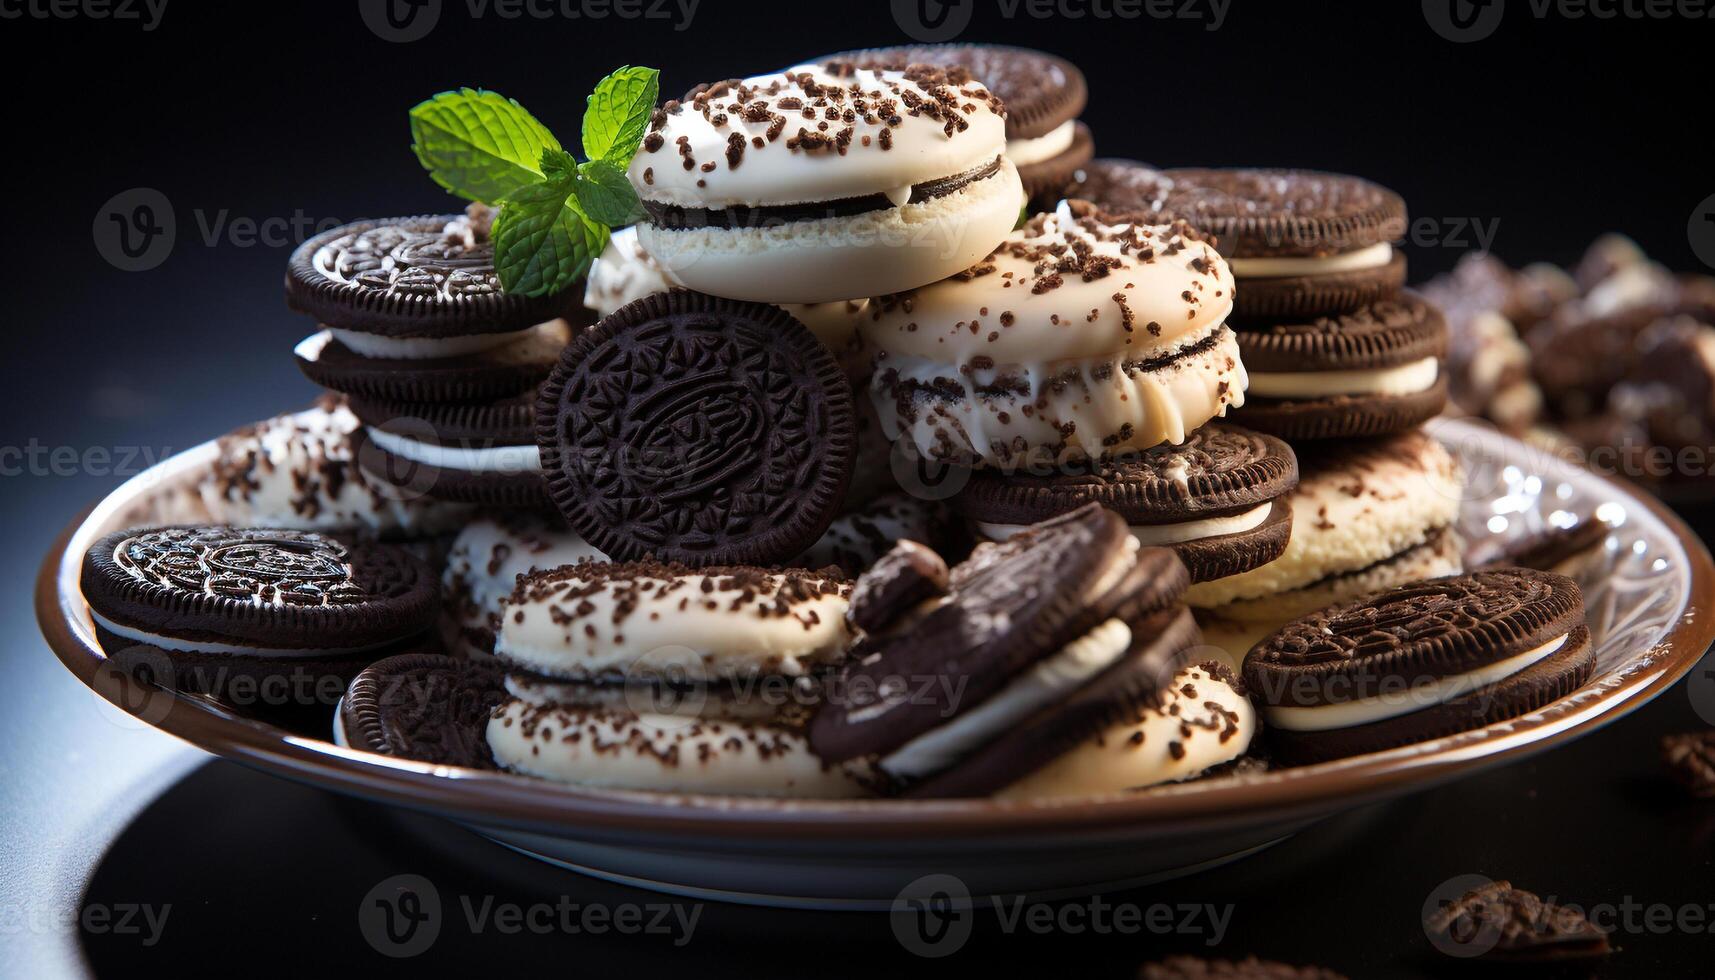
(424, 707)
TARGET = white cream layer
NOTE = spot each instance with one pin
(1043, 684)
(1039, 148)
(205, 646)
(423, 348)
(1158, 534)
(1405, 379)
(1140, 753)
(489, 459)
(1418, 696)
(1277, 267)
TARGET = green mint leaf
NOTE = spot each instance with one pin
(617, 114)
(543, 241)
(558, 164)
(606, 195)
(478, 144)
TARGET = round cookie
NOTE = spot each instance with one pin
(1199, 722)
(649, 621)
(421, 706)
(741, 742)
(825, 184)
(230, 608)
(472, 453)
(625, 273)
(1420, 662)
(1118, 185)
(1367, 515)
(1371, 372)
(483, 566)
(1043, 93)
(1083, 335)
(1071, 614)
(697, 429)
(1301, 243)
(412, 310)
(1218, 499)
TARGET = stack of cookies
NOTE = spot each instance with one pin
(1343, 363)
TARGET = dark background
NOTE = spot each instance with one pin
(291, 117)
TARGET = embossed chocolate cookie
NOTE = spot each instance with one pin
(1217, 499)
(425, 707)
(1419, 662)
(1371, 372)
(700, 430)
(1300, 242)
(1069, 619)
(482, 453)
(227, 605)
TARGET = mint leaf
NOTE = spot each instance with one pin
(558, 164)
(542, 240)
(606, 195)
(617, 114)
(479, 144)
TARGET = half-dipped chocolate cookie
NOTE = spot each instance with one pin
(1044, 94)
(699, 430)
(1370, 372)
(480, 453)
(1419, 662)
(1301, 243)
(1367, 515)
(826, 183)
(1058, 632)
(234, 610)
(412, 311)
(1083, 335)
(1218, 499)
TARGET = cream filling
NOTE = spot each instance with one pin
(1156, 534)
(1405, 379)
(1418, 696)
(490, 459)
(424, 348)
(1039, 148)
(1280, 266)
(1043, 684)
(205, 646)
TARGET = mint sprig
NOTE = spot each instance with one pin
(555, 212)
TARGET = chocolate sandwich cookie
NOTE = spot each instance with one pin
(696, 429)
(1218, 499)
(238, 612)
(425, 707)
(1043, 93)
(412, 310)
(859, 536)
(1370, 372)
(802, 186)
(1574, 550)
(902, 580)
(1420, 662)
(1301, 243)
(1118, 185)
(1060, 629)
(473, 453)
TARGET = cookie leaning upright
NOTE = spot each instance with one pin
(1044, 94)
(228, 605)
(826, 183)
(1420, 662)
(1084, 334)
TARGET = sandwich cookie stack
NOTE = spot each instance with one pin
(1420, 662)
(1059, 659)
(439, 364)
(1043, 94)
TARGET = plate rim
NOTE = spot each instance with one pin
(504, 800)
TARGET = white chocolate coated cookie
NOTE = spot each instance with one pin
(483, 568)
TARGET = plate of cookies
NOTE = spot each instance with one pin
(840, 476)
